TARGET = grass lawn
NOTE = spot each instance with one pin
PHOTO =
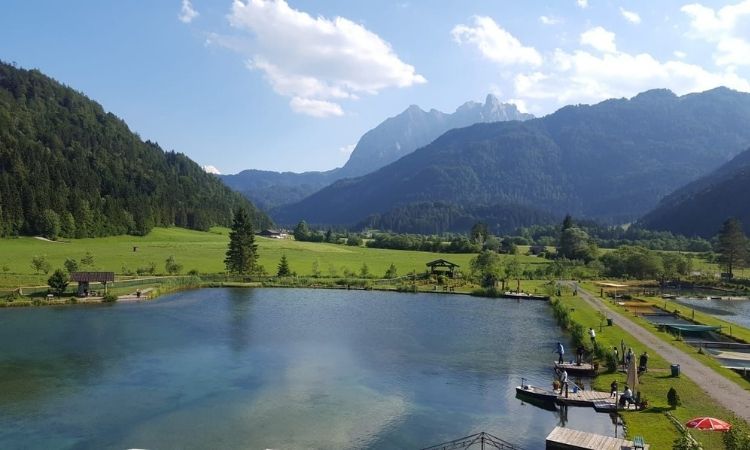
(204, 252)
(653, 423)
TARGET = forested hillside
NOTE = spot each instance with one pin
(700, 208)
(268, 190)
(612, 161)
(390, 140)
(69, 168)
(438, 218)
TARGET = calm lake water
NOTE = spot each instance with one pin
(277, 368)
(736, 311)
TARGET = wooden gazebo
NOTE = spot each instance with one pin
(442, 267)
(85, 278)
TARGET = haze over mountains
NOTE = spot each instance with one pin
(612, 161)
(392, 139)
(700, 208)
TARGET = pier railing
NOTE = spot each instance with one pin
(480, 440)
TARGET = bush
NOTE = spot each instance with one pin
(58, 282)
(673, 398)
(109, 298)
(736, 439)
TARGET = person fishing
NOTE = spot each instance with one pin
(560, 350)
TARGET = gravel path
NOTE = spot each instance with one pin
(727, 393)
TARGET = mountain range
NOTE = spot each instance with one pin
(69, 168)
(700, 207)
(390, 140)
(612, 161)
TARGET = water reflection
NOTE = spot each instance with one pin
(278, 369)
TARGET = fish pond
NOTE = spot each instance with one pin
(278, 368)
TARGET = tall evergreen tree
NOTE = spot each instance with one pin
(283, 267)
(567, 222)
(242, 254)
(732, 245)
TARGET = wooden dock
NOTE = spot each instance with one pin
(601, 401)
(567, 439)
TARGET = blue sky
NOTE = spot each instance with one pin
(268, 84)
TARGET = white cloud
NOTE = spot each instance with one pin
(583, 3)
(596, 71)
(726, 27)
(630, 16)
(211, 169)
(600, 39)
(495, 43)
(314, 60)
(582, 77)
(550, 20)
(315, 108)
(347, 149)
(187, 12)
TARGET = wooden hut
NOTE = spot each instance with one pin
(84, 279)
(442, 267)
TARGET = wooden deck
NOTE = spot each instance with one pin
(567, 439)
(601, 401)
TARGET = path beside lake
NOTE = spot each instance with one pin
(725, 392)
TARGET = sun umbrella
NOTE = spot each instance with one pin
(708, 423)
(632, 380)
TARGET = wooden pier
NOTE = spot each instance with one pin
(601, 401)
(567, 439)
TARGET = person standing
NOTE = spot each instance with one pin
(613, 389)
(563, 381)
(592, 335)
(629, 357)
(560, 351)
(617, 356)
(643, 362)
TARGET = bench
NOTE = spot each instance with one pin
(638, 442)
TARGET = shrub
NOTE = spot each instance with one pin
(109, 298)
(673, 398)
(58, 282)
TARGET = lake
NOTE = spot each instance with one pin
(278, 368)
(736, 311)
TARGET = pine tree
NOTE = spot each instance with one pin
(242, 253)
(732, 245)
(283, 267)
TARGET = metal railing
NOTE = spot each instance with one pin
(480, 439)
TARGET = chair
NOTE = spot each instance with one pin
(638, 442)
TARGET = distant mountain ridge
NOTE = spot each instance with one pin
(414, 128)
(611, 161)
(700, 208)
(390, 140)
(68, 168)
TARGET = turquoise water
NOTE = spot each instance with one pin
(277, 368)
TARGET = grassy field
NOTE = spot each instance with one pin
(204, 252)
(652, 423)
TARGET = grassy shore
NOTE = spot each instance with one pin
(652, 423)
(203, 253)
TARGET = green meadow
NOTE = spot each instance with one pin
(204, 253)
